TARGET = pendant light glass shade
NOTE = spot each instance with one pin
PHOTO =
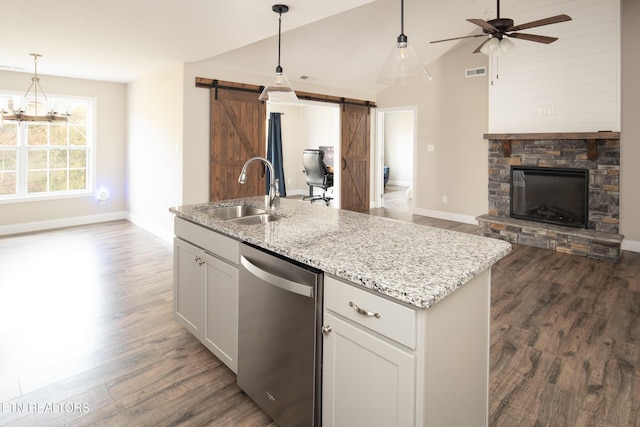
(402, 67)
(279, 89)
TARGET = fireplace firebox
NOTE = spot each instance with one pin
(550, 195)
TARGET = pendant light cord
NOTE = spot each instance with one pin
(402, 38)
(401, 16)
(279, 68)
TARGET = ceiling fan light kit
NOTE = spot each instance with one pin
(496, 46)
(402, 67)
(279, 89)
(501, 29)
(26, 110)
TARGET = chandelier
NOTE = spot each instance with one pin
(27, 110)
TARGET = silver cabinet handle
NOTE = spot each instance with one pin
(280, 282)
(326, 330)
(364, 312)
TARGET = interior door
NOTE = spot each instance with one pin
(354, 188)
(237, 134)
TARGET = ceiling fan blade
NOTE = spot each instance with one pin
(480, 47)
(484, 24)
(458, 38)
(541, 22)
(533, 38)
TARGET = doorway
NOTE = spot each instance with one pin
(309, 124)
(395, 168)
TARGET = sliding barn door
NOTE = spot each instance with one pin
(354, 190)
(237, 134)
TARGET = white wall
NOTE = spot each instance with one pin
(452, 115)
(110, 167)
(630, 134)
(155, 147)
(570, 85)
(398, 146)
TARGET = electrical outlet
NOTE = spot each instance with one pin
(445, 199)
(431, 147)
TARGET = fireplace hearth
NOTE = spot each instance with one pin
(580, 217)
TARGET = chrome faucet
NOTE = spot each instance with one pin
(273, 183)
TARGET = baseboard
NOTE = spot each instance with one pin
(466, 219)
(297, 193)
(29, 227)
(399, 183)
(151, 228)
(630, 245)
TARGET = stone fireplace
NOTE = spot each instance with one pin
(595, 154)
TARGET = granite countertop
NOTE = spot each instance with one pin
(414, 264)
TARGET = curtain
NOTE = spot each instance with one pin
(274, 151)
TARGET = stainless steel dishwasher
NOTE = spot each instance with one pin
(279, 338)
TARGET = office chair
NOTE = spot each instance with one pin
(317, 174)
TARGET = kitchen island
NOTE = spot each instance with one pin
(425, 360)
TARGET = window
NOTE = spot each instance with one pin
(41, 159)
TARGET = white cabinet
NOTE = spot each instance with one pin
(389, 364)
(206, 289)
(366, 381)
(221, 310)
(188, 280)
(368, 376)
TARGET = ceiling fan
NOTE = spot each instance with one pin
(501, 27)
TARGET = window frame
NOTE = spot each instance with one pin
(22, 160)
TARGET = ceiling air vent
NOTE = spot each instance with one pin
(475, 72)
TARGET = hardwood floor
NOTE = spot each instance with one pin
(86, 326)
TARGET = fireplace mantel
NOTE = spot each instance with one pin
(590, 138)
(557, 135)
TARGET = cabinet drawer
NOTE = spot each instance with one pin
(393, 320)
(209, 240)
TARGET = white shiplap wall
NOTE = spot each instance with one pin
(571, 85)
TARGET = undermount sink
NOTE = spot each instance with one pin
(235, 212)
(262, 218)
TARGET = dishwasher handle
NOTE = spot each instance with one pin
(280, 282)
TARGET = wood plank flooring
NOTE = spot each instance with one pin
(86, 326)
(87, 336)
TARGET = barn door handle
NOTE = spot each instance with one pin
(344, 163)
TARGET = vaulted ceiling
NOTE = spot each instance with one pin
(340, 43)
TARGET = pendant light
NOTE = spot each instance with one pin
(27, 110)
(402, 67)
(278, 89)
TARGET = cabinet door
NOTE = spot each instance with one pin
(366, 381)
(221, 311)
(188, 284)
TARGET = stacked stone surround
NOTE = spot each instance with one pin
(599, 152)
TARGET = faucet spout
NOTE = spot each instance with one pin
(273, 183)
